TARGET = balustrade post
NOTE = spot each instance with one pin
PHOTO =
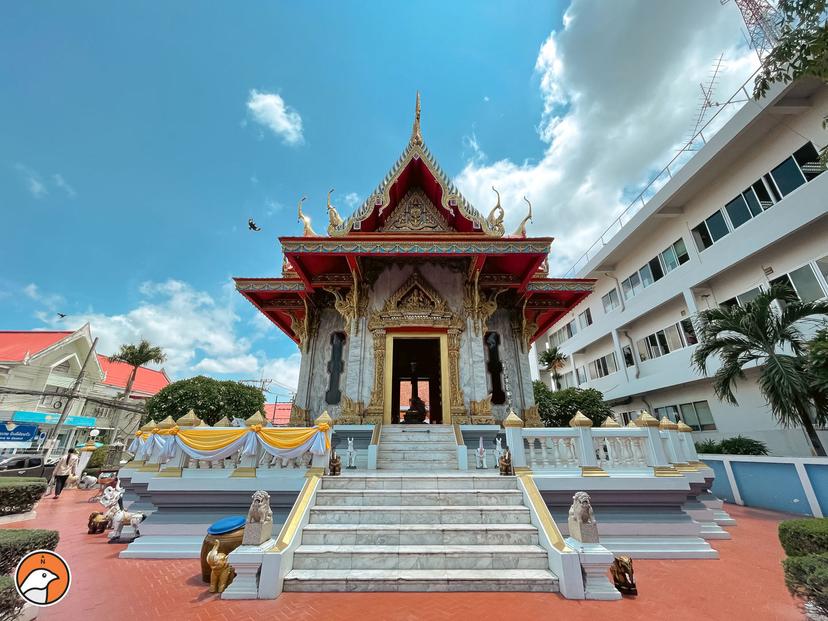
(674, 444)
(586, 447)
(514, 439)
(153, 464)
(690, 452)
(656, 457)
(321, 461)
(247, 463)
(173, 468)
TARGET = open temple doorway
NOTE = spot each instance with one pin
(416, 380)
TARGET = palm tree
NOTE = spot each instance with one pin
(769, 335)
(135, 356)
(554, 360)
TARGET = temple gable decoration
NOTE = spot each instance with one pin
(415, 303)
(416, 214)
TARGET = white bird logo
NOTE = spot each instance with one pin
(36, 584)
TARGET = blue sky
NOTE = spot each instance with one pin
(132, 152)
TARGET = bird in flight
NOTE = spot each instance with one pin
(61, 315)
(252, 225)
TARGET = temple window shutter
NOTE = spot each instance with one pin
(494, 367)
(335, 367)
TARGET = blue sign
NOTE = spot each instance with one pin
(52, 419)
(12, 432)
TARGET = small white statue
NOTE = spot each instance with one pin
(119, 517)
(258, 527)
(498, 450)
(481, 455)
(582, 525)
(351, 454)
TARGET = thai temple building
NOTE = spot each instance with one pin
(416, 288)
(415, 459)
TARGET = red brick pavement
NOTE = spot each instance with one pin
(746, 583)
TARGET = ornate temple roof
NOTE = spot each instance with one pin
(416, 213)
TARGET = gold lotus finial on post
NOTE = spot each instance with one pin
(416, 135)
(579, 420)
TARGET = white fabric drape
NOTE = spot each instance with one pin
(316, 445)
(246, 444)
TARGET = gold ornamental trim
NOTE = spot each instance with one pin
(547, 522)
(300, 507)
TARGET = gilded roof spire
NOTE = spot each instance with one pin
(416, 136)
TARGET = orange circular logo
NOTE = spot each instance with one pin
(42, 577)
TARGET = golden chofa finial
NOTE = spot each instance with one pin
(334, 219)
(416, 136)
(521, 229)
(305, 220)
(495, 218)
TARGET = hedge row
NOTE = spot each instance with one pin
(10, 601)
(15, 543)
(19, 495)
(806, 568)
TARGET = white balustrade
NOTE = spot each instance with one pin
(623, 448)
(551, 448)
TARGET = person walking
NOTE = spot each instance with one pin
(66, 466)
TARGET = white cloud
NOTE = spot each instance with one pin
(620, 87)
(284, 371)
(270, 110)
(33, 180)
(64, 185)
(198, 333)
(352, 199)
(486, 98)
(39, 187)
(50, 301)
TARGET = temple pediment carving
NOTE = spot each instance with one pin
(415, 303)
(416, 214)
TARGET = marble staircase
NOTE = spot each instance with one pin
(420, 532)
(417, 448)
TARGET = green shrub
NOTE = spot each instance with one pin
(709, 447)
(741, 445)
(10, 602)
(805, 536)
(807, 577)
(19, 494)
(98, 457)
(15, 543)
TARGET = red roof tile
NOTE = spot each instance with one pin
(278, 413)
(14, 345)
(147, 381)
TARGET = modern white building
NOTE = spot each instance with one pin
(748, 208)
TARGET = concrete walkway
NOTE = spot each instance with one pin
(746, 583)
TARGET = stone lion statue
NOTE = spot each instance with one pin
(581, 509)
(260, 508)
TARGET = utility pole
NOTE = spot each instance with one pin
(52, 438)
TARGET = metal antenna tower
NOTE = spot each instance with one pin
(763, 21)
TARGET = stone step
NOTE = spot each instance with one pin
(537, 580)
(418, 445)
(419, 557)
(449, 455)
(420, 534)
(396, 481)
(387, 514)
(415, 465)
(416, 497)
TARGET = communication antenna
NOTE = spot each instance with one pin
(763, 22)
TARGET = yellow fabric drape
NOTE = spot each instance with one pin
(291, 437)
(210, 439)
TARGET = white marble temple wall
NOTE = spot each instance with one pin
(515, 363)
(319, 354)
(360, 356)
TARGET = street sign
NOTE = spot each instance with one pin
(13, 435)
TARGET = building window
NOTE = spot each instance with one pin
(335, 367)
(494, 367)
(808, 160)
(585, 319)
(610, 300)
(670, 411)
(627, 351)
(688, 332)
(787, 176)
(822, 266)
(631, 286)
(581, 375)
(702, 237)
(603, 366)
(697, 416)
(738, 212)
(567, 380)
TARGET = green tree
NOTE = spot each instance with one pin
(554, 360)
(557, 407)
(759, 333)
(817, 362)
(211, 400)
(802, 49)
(135, 356)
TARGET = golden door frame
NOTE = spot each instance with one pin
(445, 384)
